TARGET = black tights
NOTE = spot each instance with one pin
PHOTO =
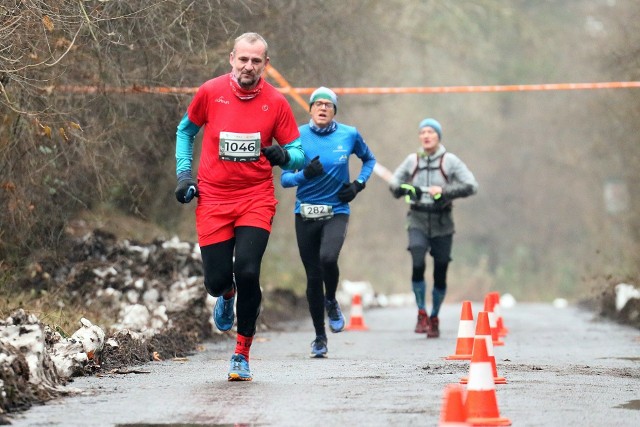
(220, 268)
(418, 267)
(319, 243)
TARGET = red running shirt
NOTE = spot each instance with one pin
(234, 123)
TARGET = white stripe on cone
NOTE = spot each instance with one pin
(493, 323)
(480, 377)
(466, 329)
(356, 310)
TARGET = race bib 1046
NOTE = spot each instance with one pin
(240, 147)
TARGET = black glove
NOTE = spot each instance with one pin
(349, 191)
(398, 192)
(276, 155)
(313, 169)
(187, 188)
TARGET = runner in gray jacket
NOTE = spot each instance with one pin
(430, 179)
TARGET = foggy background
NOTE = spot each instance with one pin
(556, 214)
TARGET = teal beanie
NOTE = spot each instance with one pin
(324, 93)
(432, 123)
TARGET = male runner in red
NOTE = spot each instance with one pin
(242, 114)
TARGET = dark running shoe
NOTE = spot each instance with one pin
(223, 315)
(434, 328)
(239, 369)
(319, 347)
(336, 319)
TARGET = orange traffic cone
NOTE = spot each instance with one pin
(484, 331)
(488, 307)
(356, 321)
(464, 344)
(453, 413)
(497, 309)
(481, 403)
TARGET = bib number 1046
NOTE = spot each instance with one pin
(240, 147)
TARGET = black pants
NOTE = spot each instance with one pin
(221, 267)
(439, 248)
(319, 243)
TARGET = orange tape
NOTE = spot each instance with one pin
(285, 85)
(286, 88)
(295, 92)
(470, 89)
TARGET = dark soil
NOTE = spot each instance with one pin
(80, 278)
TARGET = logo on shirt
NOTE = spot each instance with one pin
(265, 107)
(222, 100)
(339, 149)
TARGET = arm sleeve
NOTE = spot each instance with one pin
(368, 159)
(296, 154)
(185, 135)
(463, 183)
(402, 173)
(291, 178)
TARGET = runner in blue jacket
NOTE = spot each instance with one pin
(322, 206)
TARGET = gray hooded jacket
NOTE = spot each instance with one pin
(444, 169)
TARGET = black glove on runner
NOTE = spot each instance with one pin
(398, 192)
(187, 188)
(276, 155)
(313, 169)
(349, 191)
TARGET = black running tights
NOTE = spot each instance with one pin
(319, 243)
(220, 267)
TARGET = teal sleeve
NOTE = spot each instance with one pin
(296, 154)
(187, 130)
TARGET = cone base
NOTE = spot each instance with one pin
(498, 421)
(357, 328)
(496, 380)
(458, 357)
(497, 343)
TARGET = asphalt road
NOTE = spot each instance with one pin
(563, 368)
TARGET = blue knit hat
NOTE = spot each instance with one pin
(432, 123)
(324, 93)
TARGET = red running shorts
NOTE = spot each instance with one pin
(215, 223)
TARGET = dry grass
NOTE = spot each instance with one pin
(53, 305)
(53, 308)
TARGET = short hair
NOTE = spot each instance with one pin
(251, 38)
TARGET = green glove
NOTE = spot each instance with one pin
(411, 192)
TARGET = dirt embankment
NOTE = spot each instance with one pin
(150, 302)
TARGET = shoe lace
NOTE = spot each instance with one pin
(319, 343)
(238, 363)
(227, 304)
(334, 310)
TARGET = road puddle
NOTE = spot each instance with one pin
(185, 425)
(632, 404)
(632, 359)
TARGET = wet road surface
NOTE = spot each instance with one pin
(563, 368)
